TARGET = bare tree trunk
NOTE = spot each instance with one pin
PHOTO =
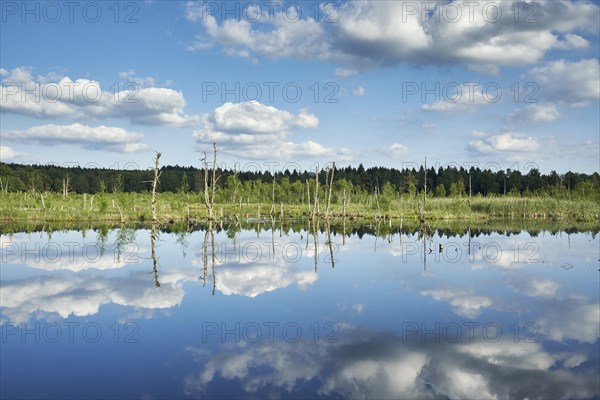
(273, 198)
(154, 184)
(308, 198)
(214, 178)
(316, 207)
(344, 204)
(330, 189)
(377, 199)
(425, 180)
(65, 186)
(209, 196)
(470, 188)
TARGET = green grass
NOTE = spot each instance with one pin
(135, 207)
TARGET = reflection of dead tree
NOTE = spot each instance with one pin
(378, 225)
(154, 184)
(328, 228)
(273, 234)
(424, 233)
(316, 242)
(209, 234)
(153, 235)
(344, 230)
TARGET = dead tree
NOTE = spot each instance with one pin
(155, 181)
(209, 195)
(316, 206)
(66, 184)
(330, 189)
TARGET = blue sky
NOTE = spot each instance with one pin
(494, 84)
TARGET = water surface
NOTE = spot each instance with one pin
(305, 313)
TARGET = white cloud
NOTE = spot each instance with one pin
(91, 138)
(7, 153)
(252, 130)
(574, 83)
(303, 38)
(463, 98)
(358, 307)
(345, 72)
(536, 113)
(370, 34)
(54, 97)
(505, 142)
(365, 364)
(130, 76)
(82, 294)
(536, 287)
(573, 41)
(429, 125)
(396, 150)
(254, 279)
(464, 304)
(570, 318)
(359, 91)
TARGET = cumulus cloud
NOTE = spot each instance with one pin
(536, 287)
(462, 97)
(367, 364)
(345, 72)
(91, 138)
(395, 150)
(255, 279)
(83, 294)
(536, 113)
(504, 142)
(7, 153)
(575, 83)
(252, 130)
(464, 304)
(484, 36)
(131, 76)
(359, 91)
(573, 317)
(51, 96)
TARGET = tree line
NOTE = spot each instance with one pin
(291, 186)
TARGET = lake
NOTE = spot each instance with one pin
(267, 311)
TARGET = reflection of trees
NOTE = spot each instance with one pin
(329, 244)
(209, 236)
(425, 233)
(445, 228)
(183, 242)
(124, 237)
(102, 239)
(314, 223)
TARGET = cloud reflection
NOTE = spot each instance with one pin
(368, 364)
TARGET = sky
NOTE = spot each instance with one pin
(290, 85)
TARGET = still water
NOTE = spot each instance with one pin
(299, 313)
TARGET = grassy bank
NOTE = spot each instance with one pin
(135, 207)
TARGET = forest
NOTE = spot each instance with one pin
(174, 193)
(290, 185)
